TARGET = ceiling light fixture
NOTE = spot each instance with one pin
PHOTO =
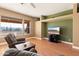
(21, 3)
(30, 4)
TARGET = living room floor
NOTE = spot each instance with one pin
(46, 48)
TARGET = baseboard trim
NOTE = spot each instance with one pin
(45, 38)
(38, 38)
(75, 47)
(67, 42)
(35, 37)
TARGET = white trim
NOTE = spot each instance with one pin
(75, 47)
(45, 38)
(35, 37)
(67, 42)
(38, 38)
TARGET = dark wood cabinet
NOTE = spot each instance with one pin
(54, 38)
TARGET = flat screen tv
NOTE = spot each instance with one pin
(54, 30)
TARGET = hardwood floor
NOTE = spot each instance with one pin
(47, 48)
(3, 48)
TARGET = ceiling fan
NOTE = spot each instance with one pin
(32, 4)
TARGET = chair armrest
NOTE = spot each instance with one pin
(21, 39)
(19, 42)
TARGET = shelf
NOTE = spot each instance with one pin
(65, 17)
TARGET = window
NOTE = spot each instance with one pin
(4, 26)
(14, 25)
(27, 27)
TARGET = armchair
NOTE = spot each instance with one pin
(12, 41)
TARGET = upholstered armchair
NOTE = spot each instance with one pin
(12, 41)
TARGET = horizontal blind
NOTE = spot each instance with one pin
(10, 19)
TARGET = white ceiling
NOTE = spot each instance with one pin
(41, 8)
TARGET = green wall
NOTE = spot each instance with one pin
(66, 29)
(66, 25)
(44, 29)
(66, 12)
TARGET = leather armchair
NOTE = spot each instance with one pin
(12, 41)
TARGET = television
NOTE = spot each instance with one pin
(54, 30)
